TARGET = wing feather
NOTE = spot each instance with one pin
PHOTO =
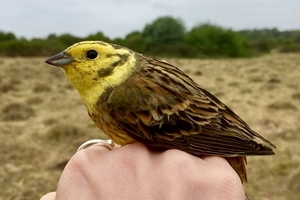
(164, 107)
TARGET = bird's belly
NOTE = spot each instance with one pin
(111, 129)
(118, 136)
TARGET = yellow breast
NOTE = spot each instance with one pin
(111, 129)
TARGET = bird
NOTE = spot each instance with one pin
(132, 97)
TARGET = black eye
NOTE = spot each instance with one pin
(91, 54)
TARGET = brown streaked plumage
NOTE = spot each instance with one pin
(134, 97)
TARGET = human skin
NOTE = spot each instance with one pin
(136, 172)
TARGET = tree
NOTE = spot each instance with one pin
(135, 41)
(211, 40)
(98, 36)
(51, 36)
(7, 36)
(163, 36)
(164, 31)
(67, 39)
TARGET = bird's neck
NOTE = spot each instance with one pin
(91, 97)
(89, 91)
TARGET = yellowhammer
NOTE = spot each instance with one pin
(133, 97)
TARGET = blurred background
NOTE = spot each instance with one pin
(181, 28)
(247, 53)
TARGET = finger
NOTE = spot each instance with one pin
(49, 196)
(88, 155)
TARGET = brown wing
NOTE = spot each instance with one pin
(161, 106)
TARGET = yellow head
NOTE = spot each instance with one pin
(94, 66)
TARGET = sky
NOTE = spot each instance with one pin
(117, 18)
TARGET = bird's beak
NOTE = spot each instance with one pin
(60, 60)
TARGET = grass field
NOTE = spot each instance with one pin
(43, 120)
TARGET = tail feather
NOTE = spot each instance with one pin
(239, 165)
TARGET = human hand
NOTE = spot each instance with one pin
(135, 172)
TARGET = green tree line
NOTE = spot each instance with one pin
(167, 36)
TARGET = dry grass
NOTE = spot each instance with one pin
(16, 112)
(39, 107)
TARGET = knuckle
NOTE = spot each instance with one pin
(131, 155)
(178, 160)
(224, 179)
